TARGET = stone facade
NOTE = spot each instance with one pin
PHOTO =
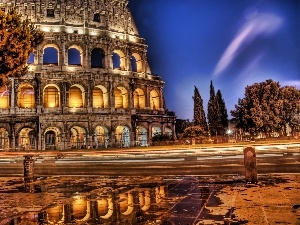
(89, 84)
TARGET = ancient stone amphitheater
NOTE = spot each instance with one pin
(89, 84)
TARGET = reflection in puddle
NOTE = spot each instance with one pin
(114, 200)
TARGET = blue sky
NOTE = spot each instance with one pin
(234, 43)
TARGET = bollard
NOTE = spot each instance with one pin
(28, 164)
(250, 165)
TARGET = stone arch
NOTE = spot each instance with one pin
(52, 138)
(126, 203)
(79, 208)
(78, 137)
(76, 96)
(55, 214)
(118, 60)
(4, 139)
(139, 98)
(26, 96)
(100, 97)
(50, 54)
(97, 58)
(101, 137)
(27, 138)
(144, 200)
(121, 97)
(122, 136)
(4, 97)
(168, 131)
(75, 55)
(154, 100)
(136, 63)
(141, 136)
(51, 96)
(106, 209)
(155, 130)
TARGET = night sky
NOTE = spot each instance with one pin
(234, 43)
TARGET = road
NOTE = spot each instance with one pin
(279, 158)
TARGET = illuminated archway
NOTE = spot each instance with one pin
(51, 138)
(139, 99)
(76, 96)
(141, 136)
(144, 200)
(118, 60)
(27, 139)
(75, 55)
(126, 203)
(51, 96)
(50, 54)
(101, 137)
(105, 207)
(55, 214)
(78, 137)
(26, 98)
(4, 97)
(122, 136)
(79, 207)
(155, 131)
(100, 97)
(154, 100)
(136, 63)
(4, 140)
(168, 131)
(121, 98)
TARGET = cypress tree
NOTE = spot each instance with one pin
(222, 111)
(199, 113)
(212, 109)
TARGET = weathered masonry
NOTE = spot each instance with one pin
(89, 84)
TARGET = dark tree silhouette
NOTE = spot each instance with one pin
(199, 113)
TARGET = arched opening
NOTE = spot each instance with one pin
(100, 97)
(27, 139)
(51, 97)
(4, 97)
(78, 138)
(97, 58)
(101, 137)
(121, 98)
(74, 57)
(50, 56)
(133, 64)
(168, 131)
(154, 100)
(26, 98)
(144, 200)
(136, 63)
(141, 136)
(79, 208)
(105, 207)
(138, 99)
(155, 131)
(118, 59)
(122, 136)
(76, 96)
(50, 140)
(31, 58)
(126, 203)
(4, 141)
(55, 214)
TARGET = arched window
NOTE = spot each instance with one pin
(100, 97)
(154, 100)
(31, 58)
(51, 97)
(74, 57)
(76, 97)
(50, 56)
(133, 64)
(26, 97)
(155, 131)
(97, 58)
(4, 97)
(116, 61)
(121, 98)
(138, 99)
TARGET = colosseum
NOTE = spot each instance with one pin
(89, 84)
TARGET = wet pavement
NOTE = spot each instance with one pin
(179, 200)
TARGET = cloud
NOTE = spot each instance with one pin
(256, 25)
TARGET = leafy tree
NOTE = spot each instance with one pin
(181, 125)
(17, 39)
(199, 114)
(194, 131)
(267, 107)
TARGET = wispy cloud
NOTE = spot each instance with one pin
(254, 27)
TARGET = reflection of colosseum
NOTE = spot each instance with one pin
(89, 83)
